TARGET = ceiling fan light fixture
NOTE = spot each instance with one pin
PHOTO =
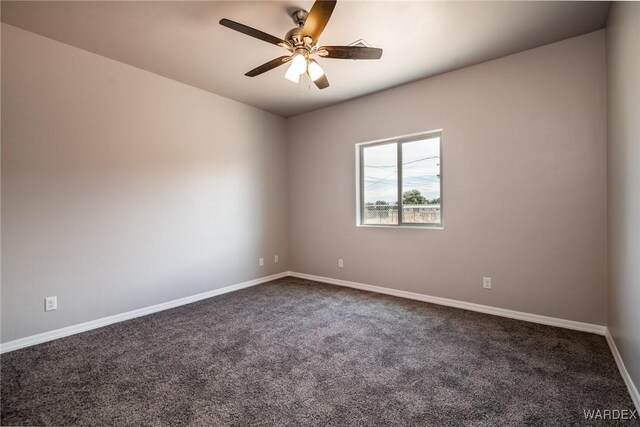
(315, 70)
(292, 74)
(299, 63)
(297, 68)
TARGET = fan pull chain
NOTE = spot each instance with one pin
(304, 84)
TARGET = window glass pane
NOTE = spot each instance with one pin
(421, 181)
(380, 184)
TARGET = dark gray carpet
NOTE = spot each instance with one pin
(294, 352)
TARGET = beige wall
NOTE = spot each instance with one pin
(122, 189)
(623, 96)
(524, 153)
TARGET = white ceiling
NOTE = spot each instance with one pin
(183, 40)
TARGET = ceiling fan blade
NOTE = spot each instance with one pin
(322, 82)
(268, 66)
(349, 52)
(261, 35)
(318, 18)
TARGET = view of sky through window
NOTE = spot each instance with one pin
(420, 170)
(381, 173)
(421, 167)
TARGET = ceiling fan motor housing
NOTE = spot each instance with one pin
(294, 36)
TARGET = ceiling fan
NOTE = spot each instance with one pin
(302, 42)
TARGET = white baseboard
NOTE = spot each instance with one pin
(535, 318)
(98, 323)
(93, 324)
(633, 390)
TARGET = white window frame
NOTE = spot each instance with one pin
(399, 140)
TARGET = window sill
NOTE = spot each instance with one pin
(418, 227)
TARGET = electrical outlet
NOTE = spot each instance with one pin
(50, 303)
(486, 282)
(275, 259)
(260, 262)
(340, 263)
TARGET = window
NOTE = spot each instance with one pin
(400, 181)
